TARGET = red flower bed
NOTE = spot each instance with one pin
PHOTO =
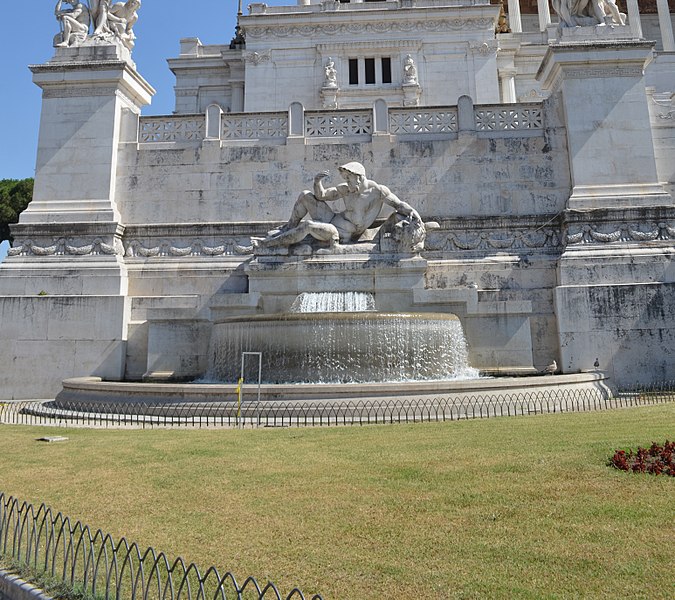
(656, 460)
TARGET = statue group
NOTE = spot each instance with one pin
(98, 19)
(584, 13)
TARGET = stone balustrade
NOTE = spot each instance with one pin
(434, 122)
(509, 117)
(255, 126)
(183, 128)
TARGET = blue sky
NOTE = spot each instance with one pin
(160, 26)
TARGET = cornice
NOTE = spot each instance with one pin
(476, 20)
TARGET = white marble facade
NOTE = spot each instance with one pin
(540, 161)
(452, 45)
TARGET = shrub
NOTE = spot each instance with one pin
(655, 460)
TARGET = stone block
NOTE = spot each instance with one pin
(623, 326)
(177, 349)
(60, 336)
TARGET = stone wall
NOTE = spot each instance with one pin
(511, 160)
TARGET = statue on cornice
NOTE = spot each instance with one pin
(585, 13)
(74, 23)
(116, 19)
(409, 70)
(330, 74)
(109, 21)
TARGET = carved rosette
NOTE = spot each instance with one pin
(257, 58)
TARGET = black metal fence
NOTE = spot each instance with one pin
(100, 567)
(329, 412)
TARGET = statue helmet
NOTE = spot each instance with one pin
(354, 167)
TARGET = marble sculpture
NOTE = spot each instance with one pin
(584, 13)
(363, 199)
(109, 21)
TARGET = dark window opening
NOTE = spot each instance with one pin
(386, 70)
(370, 70)
(353, 71)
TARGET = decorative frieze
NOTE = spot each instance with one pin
(666, 108)
(484, 48)
(597, 233)
(608, 72)
(68, 247)
(61, 91)
(257, 57)
(351, 29)
(179, 249)
(493, 240)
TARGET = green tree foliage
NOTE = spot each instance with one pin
(15, 194)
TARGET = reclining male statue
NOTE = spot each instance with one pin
(363, 200)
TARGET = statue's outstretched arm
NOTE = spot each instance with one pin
(395, 202)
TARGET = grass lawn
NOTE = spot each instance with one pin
(502, 508)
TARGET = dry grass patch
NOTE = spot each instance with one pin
(501, 508)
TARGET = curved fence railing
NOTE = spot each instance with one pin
(328, 412)
(100, 567)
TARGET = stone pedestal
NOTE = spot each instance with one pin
(279, 280)
(86, 107)
(602, 88)
(64, 306)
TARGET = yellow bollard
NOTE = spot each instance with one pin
(239, 383)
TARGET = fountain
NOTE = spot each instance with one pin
(332, 343)
(338, 337)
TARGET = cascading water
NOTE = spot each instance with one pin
(323, 302)
(352, 345)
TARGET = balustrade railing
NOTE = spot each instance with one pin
(339, 124)
(509, 117)
(419, 121)
(257, 126)
(180, 128)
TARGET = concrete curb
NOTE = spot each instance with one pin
(12, 587)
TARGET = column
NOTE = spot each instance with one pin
(507, 77)
(634, 18)
(514, 16)
(666, 26)
(544, 14)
